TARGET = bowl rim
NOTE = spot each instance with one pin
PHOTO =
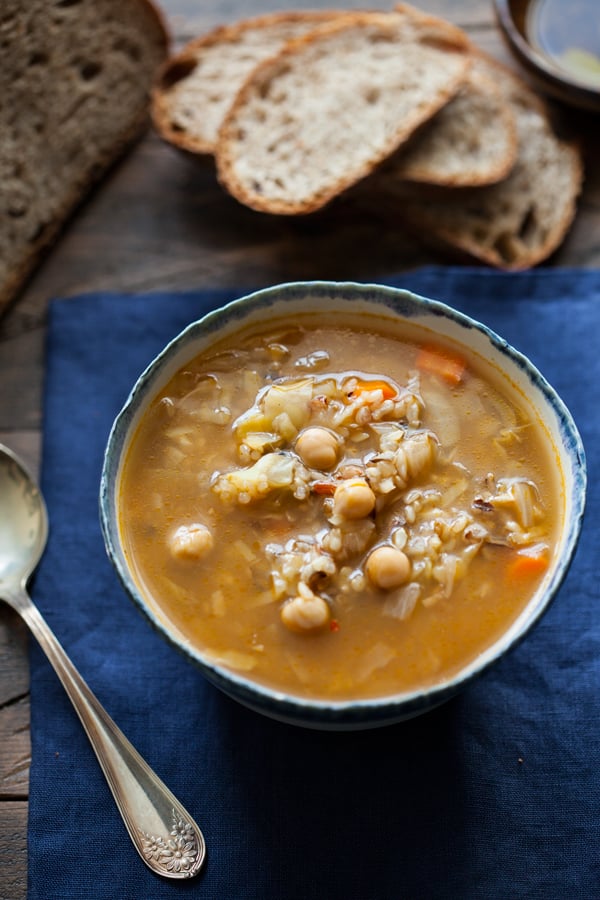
(565, 87)
(289, 706)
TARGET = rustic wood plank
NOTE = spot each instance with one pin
(15, 752)
(13, 850)
(140, 233)
(27, 444)
(14, 664)
(188, 18)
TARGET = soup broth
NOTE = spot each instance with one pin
(339, 512)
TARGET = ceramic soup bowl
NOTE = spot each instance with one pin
(337, 301)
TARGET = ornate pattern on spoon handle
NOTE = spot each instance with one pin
(180, 852)
(163, 833)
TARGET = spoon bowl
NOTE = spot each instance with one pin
(164, 834)
(24, 520)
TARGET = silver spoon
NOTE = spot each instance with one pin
(163, 833)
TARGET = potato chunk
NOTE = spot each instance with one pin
(191, 541)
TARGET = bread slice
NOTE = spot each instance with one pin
(196, 86)
(75, 81)
(470, 141)
(518, 222)
(324, 112)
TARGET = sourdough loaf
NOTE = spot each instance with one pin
(196, 87)
(324, 112)
(75, 77)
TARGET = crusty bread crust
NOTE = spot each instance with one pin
(518, 222)
(195, 87)
(303, 126)
(67, 117)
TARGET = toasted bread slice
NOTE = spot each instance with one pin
(521, 220)
(195, 87)
(324, 112)
(75, 81)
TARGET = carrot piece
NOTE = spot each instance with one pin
(442, 362)
(527, 566)
(362, 387)
(327, 488)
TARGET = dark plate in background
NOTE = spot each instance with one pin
(558, 43)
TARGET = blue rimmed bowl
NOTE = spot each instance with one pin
(286, 301)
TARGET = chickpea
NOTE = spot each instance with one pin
(305, 613)
(388, 567)
(318, 448)
(191, 541)
(353, 499)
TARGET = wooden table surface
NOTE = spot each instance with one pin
(160, 220)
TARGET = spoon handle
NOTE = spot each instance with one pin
(163, 833)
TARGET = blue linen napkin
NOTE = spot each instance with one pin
(494, 795)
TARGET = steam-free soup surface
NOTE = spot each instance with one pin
(339, 512)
